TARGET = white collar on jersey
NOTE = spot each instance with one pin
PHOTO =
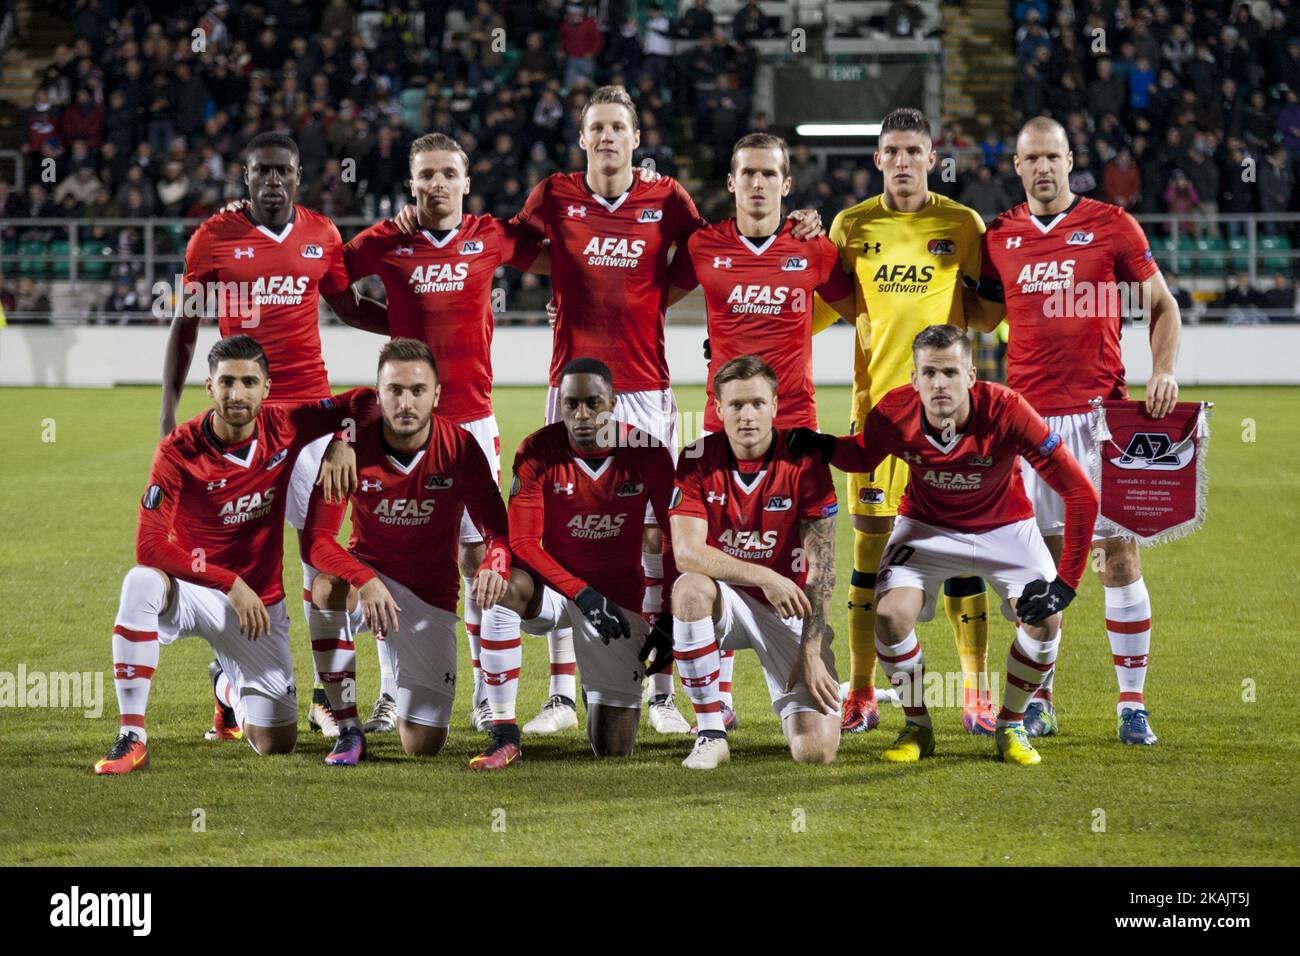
(756, 479)
(759, 248)
(243, 462)
(406, 469)
(1047, 227)
(271, 234)
(946, 449)
(928, 431)
(594, 473)
(445, 239)
(610, 204)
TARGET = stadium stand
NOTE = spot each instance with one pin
(143, 109)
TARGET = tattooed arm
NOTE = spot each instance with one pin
(810, 668)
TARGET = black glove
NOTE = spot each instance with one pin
(804, 442)
(708, 352)
(1041, 600)
(659, 640)
(603, 614)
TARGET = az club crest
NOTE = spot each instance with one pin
(1154, 451)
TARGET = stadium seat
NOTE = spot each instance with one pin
(1273, 244)
(60, 268)
(93, 265)
(1210, 257)
(1164, 248)
(1240, 245)
(33, 265)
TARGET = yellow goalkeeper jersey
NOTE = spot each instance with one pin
(908, 269)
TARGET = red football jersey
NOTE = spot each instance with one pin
(577, 522)
(760, 302)
(214, 512)
(609, 271)
(1060, 284)
(440, 292)
(406, 517)
(281, 276)
(971, 482)
(756, 522)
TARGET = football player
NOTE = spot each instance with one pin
(578, 502)
(209, 550)
(754, 531)
(418, 474)
(965, 512)
(1055, 266)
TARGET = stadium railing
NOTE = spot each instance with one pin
(82, 258)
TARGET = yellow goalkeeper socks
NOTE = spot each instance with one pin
(967, 606)
(867, 549)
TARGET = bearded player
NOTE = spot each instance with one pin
(418, 474)
(439, 289)
(259, 269)
(1056, 264)
(754, 533)
(759, 285)
(578, 505)
(965, 512)
(209, 550)
(911, 253)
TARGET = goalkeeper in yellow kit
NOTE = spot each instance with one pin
(909, 251)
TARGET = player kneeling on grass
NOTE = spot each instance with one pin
(965, 513)
(577, 515)
(210, 552)
(754, 534)
(416, 474)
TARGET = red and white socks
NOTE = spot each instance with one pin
(1128, 626)
(135, 646)
(564, 663)
(473, 631)
(334, 657)
(1029, 662)
(501, 656)
(698, 661)
(652, 569)
(904, 665)
(725, 666)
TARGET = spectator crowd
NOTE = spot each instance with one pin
(145, 112)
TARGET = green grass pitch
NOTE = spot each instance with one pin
(1219, 788)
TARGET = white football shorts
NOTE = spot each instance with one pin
(261, 671)
(747, 622)
(611, 673)
(923, 556)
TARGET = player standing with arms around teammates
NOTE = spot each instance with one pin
(1057, 262)
(578, 505)
(759, 284)
(759, 280)
(911, 253)
(439, 285)
(965, 512)
(259, 269)
(210, 547)
(609, 232)
(754, 533)
(418, 474)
